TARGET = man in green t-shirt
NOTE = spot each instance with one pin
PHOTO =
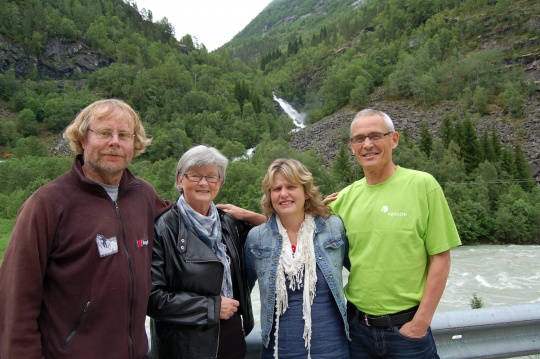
(400, 233)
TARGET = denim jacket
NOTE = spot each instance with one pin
(262, 252)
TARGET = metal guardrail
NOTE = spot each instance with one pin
(498, 332)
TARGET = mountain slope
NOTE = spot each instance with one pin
(479, 59)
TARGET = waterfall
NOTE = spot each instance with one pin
(298, 118)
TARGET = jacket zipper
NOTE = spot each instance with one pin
(222, 274)
(76, 327)
(130, 271)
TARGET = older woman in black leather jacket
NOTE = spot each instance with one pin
(200, 303)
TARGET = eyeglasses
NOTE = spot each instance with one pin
(198, 178)
(103, 134)
(373, 137)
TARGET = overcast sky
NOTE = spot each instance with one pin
(212, 22)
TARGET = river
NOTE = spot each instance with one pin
(499, 275)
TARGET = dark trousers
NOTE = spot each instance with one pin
(370, 342)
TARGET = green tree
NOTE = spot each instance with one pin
(426, 139)
(30, 146)
(480, 100)
(424, 89)
(471, 218)
(160, 174)
(517, 219)
(470, 146)
(340, 81)
(188, 41)
(467, 99)
(8, 85)
(487, 173)
(8, 133)
(68, 29)
(446, 130)
(446, 165)
(241, 93)
(507, 162)
(487, 148)
(27, 123)
(168, 142)
(242, 186)
(512, 99)
(359, 96)
(36, 42)
(342, 167)
(233, 149)
(495, 141)
(255, 101)
(523, 171)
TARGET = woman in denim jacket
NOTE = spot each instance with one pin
(297, 257)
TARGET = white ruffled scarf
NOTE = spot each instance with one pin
(298, 267)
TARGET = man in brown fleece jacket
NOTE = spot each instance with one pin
(75, 279)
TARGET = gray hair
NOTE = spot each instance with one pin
(201, 156)
(370, 112)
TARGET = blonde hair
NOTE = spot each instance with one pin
(77, 129)
(295, 172)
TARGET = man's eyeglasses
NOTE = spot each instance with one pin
(103, 134)
(373, 137)
(198, 178)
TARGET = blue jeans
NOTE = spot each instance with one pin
(328, 337)
(369, 342)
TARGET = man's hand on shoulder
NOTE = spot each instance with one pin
(330, 198)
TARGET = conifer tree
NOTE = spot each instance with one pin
(495, 141)
(487, 148)
(470, 147)
(342, 167)
(523, 172)
(426, 139)
(255, 101)
(405, 138)
(507, 162)
(446, 130)
(242, 93)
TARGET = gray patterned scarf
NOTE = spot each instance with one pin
(208, 229)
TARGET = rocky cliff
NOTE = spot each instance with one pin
(60, 59)
(326, 135)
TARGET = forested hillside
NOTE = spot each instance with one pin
(323, 55)
(471, 64)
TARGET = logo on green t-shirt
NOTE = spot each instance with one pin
(384, 209)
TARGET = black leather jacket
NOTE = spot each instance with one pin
(186, 284)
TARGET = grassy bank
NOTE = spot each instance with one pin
(6, 226)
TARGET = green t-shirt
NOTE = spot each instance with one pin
(393, 227)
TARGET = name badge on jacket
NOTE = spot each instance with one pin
(106, 246)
